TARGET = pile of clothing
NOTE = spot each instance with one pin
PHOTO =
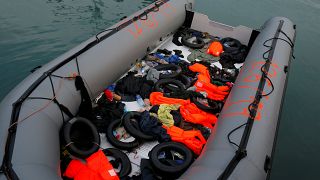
(179, 100)
(168, 98)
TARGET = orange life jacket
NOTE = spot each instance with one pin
(157, 98)
(193, 114)
(203, 83)
(96, 167)
(192, 139)
(215, 48)
(189, 111)
(213, 92)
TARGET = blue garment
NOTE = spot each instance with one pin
(173, 59)
(151, 126)
(111, 87)
(170, 59)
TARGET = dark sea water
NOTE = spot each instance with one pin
(34, 32)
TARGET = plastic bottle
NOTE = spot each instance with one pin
(140, 100)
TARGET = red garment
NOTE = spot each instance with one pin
(212, 90)
(97, 167)
(108, 94)
(192, 139)
(193, 114)
(215, 49)
(203, 83)
(157, 98)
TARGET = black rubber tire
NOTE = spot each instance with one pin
(115, 142)
(124, 160)
(81, 129)
(171, 171)
(166, 82)
(233, 48)
(203, 107)
(177, 70)
(132, 126)
(199, 45)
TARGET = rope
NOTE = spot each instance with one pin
(231, 132)
(39, 110)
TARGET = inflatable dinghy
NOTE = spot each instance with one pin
(242, 140)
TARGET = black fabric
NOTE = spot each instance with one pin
(183, 94)
(188, 20)
(215, 104)
(175, 39)
(226, 60)
(111, 109)
(230, 45)
(235, 49)
(154, 109)
(178, 53)
(204, 131)
(131, 86)
(105, 112)
(175, 113)
(185, 69)
(190, 126)
(151, 126)
(85, 108)
(128, 98)
(176, 117)
(64, 163)
(164, 51)
(147, 172)
(241, 55)
(146, 89)
(197, 44)
(229, 72)
(64, 109)
(186, 81)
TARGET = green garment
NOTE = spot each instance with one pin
(201, 54)
(164, 114)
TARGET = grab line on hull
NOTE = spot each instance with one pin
(6, 166)
(242, 152)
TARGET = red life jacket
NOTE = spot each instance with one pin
(203, 83)
(193, 114)
(192, 139)
(97, 167)
(157, 98)
(215, 49)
